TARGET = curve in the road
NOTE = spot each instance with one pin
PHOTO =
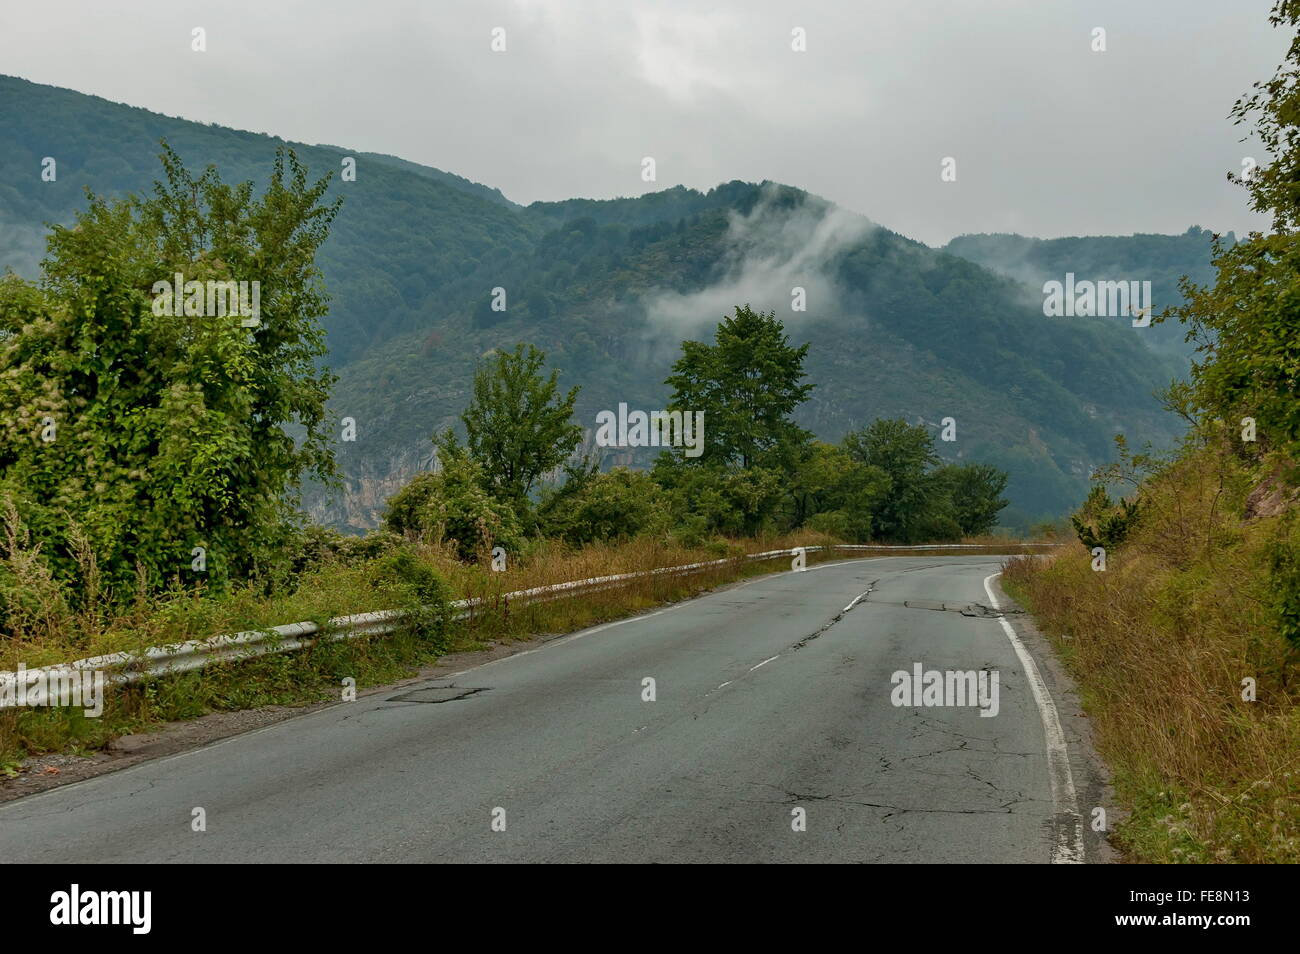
(761, 722)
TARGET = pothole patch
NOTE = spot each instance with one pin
(435, 694)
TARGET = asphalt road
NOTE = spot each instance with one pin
(769, 697)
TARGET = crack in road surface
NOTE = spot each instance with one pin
(972, 610)
(834, 619)
(435, 694)
(793, 798)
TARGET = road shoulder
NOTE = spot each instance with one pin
(1092, 779)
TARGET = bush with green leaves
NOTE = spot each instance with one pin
(315, 545)
(426, 594)
(161, 437)
(1284, 577)
(1101, 522)
(454, 505)
(705, 500)
(617, 505)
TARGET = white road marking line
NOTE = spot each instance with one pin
(1068, 848)
(765, 662)
(668, 609)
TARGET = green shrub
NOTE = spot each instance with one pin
(1102, 523)
(427, 594)
(454, 505)
(618, 505)
(834, 523)
(712, 499)
(137, 436)
(316, 546)
(403, 569)
(1284, 579)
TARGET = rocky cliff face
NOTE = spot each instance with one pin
(359, 506)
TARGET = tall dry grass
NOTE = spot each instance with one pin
(1160, 643)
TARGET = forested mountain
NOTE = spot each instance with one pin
(1159, 259)
(406, 244)
(609, 289)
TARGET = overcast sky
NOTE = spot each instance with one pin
(1050, 138)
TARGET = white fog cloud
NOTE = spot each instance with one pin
(767, 254)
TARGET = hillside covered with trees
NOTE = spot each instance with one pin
(609, 289)
(1163, 260)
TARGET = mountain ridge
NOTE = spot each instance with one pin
(610, 287)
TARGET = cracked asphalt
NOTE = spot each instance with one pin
(770, 696)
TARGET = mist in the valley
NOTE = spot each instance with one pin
(777, 247)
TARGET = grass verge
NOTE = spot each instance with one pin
(1165, 646)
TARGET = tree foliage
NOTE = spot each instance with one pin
(1247, 325)
(905, 454)
(617, 505)
(518, 426)
(454, 505)
(747, 383)
(152, 435)
(975, 491)
(836, 493)
(1104, 523)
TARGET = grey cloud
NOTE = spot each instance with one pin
(1050, 138)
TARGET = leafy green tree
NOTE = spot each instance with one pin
(1247, 325)
(836, 494)
(748, 384)
(162, 440)
(975, 492)
(905, 453)
(517, 425)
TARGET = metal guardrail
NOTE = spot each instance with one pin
(129, 667)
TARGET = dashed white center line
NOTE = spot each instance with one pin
(765, 662)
